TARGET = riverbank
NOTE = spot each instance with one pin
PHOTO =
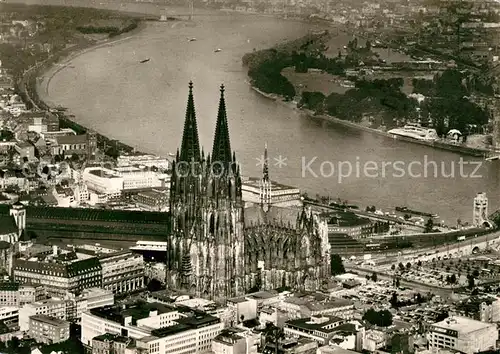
(461, 149)
(35, 82)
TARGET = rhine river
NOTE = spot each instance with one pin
(143, 105)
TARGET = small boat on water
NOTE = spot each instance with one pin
(171, 154)
(144, 60)
(191, 39)
(218, 50)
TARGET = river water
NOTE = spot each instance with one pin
(144, 104)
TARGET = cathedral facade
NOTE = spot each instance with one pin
(219, 249)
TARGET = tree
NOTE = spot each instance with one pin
(419, 263)
(336, 265)
(155, 285)
(397, 283)
(453, 279)
(393, 267)
(374, 277)
(401, 266)
(429, 226)
(378, 318)
(368, 46)
(408, 265)
(394, 300)
(470, 282)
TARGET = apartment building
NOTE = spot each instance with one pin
(463, 334)
(92, 298)
(15, 294)
(157, 328)
(122, 271)
(111, 344)
(59, 276)
(8, 313)
(9, 294)
(29, 293)
(236, 341)
(48, 330)
(57, 308)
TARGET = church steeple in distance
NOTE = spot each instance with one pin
(190, 147)
(265, 166)
(221, 152)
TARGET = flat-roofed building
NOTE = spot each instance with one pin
(276, 193)
(154, 199)
(48, 330)
(318, 328)
(463, 334)
(103, 181)
(29, 293)
(91, 299)
(143, 160)
(122, 271)
(156, 327)
(236, 341)
(140, 177)
(57, 308)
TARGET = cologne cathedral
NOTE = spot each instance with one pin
(219, 248)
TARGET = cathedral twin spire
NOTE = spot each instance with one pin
(190, 147)
(221, 151)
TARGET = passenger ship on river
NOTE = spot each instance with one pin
(415, 131)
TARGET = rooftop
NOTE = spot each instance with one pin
(275, 186)
(71, 139)
(229, 335)
(7, 225)
(67, 270)
(94, 215)
(9, 286)
(137, 311)
(49, 320)
(327, 324)
(462, 324)
(318, 304)
(109, 337)
(341, 218)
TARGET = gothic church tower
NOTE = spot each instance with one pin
(206, 248)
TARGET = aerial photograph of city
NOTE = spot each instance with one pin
(249, 176)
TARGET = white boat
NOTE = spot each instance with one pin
(415, 131)
(218, 50)
(191, 39)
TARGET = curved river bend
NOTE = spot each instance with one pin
(143, 105)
